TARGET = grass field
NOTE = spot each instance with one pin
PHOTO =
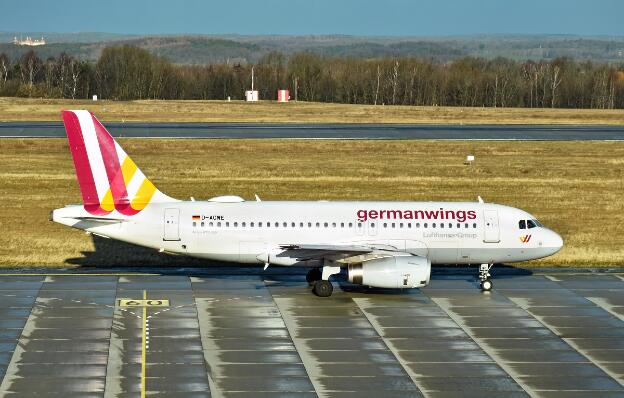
(24, 109)
(573, 187)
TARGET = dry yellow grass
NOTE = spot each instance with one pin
(574, 187)
(24, 109)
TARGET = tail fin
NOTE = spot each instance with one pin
(108, 178)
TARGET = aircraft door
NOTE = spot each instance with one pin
(171, 221)
(491, 231)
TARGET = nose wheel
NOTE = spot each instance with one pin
(484, 277)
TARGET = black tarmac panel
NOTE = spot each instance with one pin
(228, 332)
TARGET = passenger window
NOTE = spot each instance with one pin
(385, 225)
(341, 225)
(433, 225)
(350, 225)
(522, 224)
(401, 225)
(409, 225)
(202, 223)
(244, 224)
(325, 225)
(474, 225)
(417, 225)
(318, 225)
(210, 224)
(309, 225)
(194, 224)
(259, 224)
(441, 225)
(530, 224)
(333, 225)
(373, 225)
(458, 225)
(425, 225)
(235, 224)
(218, 224)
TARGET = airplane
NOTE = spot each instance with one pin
(381, 244)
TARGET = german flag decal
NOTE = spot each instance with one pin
(196, 218)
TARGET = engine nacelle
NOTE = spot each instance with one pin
(392, 272)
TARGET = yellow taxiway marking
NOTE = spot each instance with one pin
(143, 303)
(143, 346)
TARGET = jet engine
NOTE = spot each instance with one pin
(392, 272)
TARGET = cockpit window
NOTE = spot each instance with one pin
(522, 224)
(539, 224)
(531, 224)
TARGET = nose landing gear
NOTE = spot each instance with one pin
(484, 277)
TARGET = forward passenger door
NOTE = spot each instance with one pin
(491, 230)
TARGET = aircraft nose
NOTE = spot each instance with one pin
(555, 241)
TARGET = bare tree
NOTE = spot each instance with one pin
(74, 71)
(30, 67)
(377, 88)
(4, 67)
(555, 82)
(395, 80)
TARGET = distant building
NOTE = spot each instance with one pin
(29, 42)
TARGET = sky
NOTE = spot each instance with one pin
(302, 17)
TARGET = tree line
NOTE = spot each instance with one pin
(128, 73)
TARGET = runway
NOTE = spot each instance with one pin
(328, 131)
(242, 332)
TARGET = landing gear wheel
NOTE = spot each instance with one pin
(315, 274)
(323, 288)
(484, 277)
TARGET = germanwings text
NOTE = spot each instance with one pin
(459, 215)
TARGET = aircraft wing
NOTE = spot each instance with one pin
(316, 252)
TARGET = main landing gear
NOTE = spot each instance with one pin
(319, 279)
(484, 277)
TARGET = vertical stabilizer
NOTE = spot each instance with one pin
(108, 178)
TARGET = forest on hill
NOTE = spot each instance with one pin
(129, 72)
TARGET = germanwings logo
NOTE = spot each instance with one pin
(109, 180)
(441, 214)
(525, 238)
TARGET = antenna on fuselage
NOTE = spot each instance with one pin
(257, 198)
(480, 199)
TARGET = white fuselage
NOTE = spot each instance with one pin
(252, 232)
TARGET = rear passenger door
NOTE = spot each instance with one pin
(171, 229)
